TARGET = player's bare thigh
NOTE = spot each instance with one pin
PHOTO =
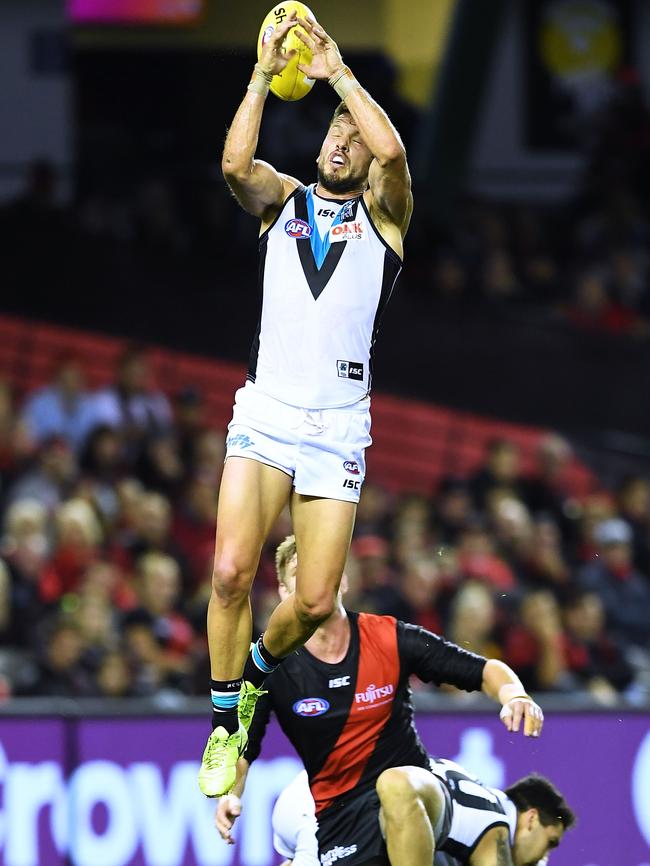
(397, 784)
(323, 529)
(251, 496)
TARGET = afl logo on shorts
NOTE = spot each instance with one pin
(308, 707)
(298, 229)
(351, 466)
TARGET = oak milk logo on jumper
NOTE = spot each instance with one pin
(374, 693)
(352, 231)
(352, 467)
(337, 853)
(298, 229)
(308, 707)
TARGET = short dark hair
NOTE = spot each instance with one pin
(536, 792)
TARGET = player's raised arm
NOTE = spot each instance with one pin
(389, 178)
(258, 187)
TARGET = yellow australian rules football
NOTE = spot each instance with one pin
(291, 83)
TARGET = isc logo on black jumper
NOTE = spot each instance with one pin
(350, 370)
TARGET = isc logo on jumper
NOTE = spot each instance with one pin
(308, 707)
(296, 228)
(352, 467)
(339, 682)
(350, 370)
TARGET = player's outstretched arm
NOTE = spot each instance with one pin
(229, 806)
(503, 685)
(389, 178)
(257, 186)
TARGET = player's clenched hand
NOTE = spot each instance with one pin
(228, 810)
(516, 709)
(272, 58)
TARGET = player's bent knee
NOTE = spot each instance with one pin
(314, 611)
(395, 786)
(230, 584)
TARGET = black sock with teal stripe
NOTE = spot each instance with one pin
(260, 663)
(225, 699)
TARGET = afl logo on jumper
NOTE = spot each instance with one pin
(298, 229)
(311, 707)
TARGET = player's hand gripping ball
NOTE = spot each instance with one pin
(289, 84)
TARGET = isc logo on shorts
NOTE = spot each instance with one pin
(296, 228)
(308, 707)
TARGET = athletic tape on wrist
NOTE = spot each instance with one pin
(344, 82)
(260, 82)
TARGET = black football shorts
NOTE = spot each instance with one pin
(349, 833)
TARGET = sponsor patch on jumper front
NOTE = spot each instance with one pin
(374, 696)
(350, 370)
(350, 231)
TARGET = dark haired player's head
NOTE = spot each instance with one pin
(536, 792)
(542, 818)
(344, 159)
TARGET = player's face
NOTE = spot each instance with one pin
(344, 159)
(534, 841)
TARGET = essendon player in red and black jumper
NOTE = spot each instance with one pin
(352, 720)
(348, 713)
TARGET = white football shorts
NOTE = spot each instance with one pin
(322, 449)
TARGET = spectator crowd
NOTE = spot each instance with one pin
(108, 502)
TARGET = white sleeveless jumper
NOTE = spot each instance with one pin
(326, 276)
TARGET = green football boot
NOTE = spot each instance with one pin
(248, 696)
(219, 764)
